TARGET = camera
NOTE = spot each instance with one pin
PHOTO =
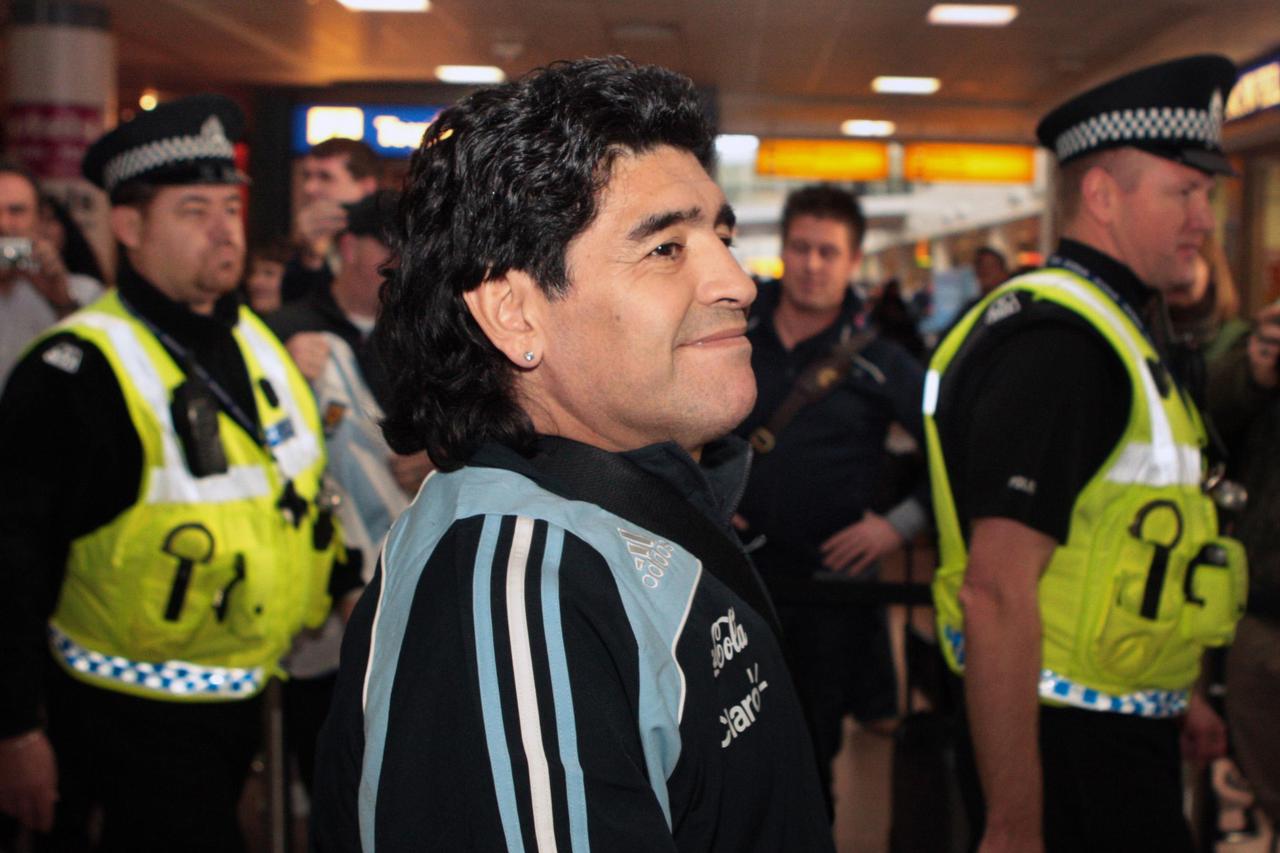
(15, 253)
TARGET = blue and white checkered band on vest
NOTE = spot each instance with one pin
(1144, 124)
(169, 679)
(209, 144)
(1057, 689)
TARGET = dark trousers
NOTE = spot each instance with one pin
(841, 662)
(306, 704)
(165, 776)
(1112, 782)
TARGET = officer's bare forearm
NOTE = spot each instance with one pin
(1002, 641)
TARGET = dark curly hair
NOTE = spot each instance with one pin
(502, 181)
(825, 201)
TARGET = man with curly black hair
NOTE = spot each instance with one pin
(564, 646)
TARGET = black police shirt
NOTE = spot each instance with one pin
(1030, 414)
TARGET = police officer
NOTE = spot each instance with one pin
(160, 541)
(1081, 569)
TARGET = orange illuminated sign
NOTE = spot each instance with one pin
(823, 159)
(968, 162)
(1257, 89)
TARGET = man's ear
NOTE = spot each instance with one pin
(508, 311)
(346, 245)
(1098, 193)
(126, 225)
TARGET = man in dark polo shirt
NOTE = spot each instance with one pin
(818, 498)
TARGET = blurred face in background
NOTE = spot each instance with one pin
(330, 179)
(819, 260)
(990, 271)
(263, 283)
(19, 216)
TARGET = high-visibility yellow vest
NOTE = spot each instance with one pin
(1128, 602)
(196, 590)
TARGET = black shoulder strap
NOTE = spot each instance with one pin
(816, 381)
(616, 484)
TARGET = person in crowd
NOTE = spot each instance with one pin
(36, 288)
(990, 269)
(829, 388)
(1244, 398)
(59, 227)
(161, 534)
(564, 645)
(328, 334)
(335, 172)
(1204, 318)
(263, 286)
(894, 317)
(1081, 569)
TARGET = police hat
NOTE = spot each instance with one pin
(374, 215)
(1172, 110)
(186, 141)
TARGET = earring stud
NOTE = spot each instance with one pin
(528, 356)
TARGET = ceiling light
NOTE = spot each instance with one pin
(148, 100)
(905, 85)
(737, 147)
(387, 5)
(972, 14)
(470, 74)
(867, 127)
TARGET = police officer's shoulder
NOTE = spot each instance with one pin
(62, 362)
(1017, 320)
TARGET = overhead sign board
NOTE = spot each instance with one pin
(823, 159)
(964, 162)
(1257, 89)
(390, 130)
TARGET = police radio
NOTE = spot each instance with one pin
(195, 419)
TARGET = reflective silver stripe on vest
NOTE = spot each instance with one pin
(1141, 703)
(168, 679)
(171, 482)
(300, 450)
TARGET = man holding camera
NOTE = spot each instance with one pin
(35, 287)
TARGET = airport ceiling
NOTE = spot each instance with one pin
(780, 67)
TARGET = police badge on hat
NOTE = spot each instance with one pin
(1173, 110)
(186, 141)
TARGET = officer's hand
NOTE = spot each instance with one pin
(317, 223)
(50, 276)
(1264, 348)
(1204, 735)
(310, 351)
(28, 780)
(860, 544)
(410, 470)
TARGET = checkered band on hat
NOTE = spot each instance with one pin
(1155, 124)
(210, 143)
(171, 679)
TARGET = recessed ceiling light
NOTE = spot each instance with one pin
(470, 74)
(387, 5)
(737, 147)
(867, 127)
(906, 85)
(972, 14)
